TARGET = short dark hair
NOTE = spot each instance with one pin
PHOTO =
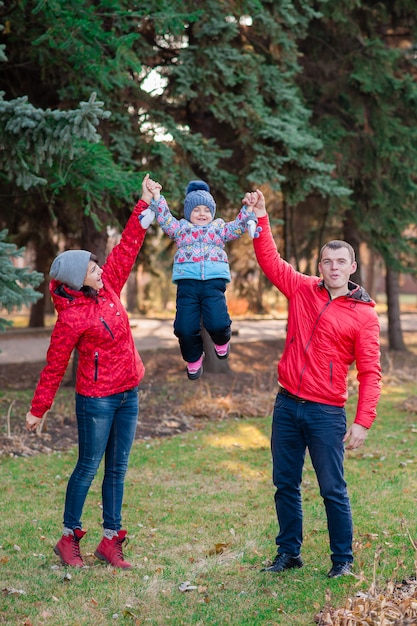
(335, 244)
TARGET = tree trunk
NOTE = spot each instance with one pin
(370, 283)
(395, 335)
(212, 364)
(286, 245)
(44, 252)
(350, 234)
(93, 240)
(132, 301)
(37, 309)
(254, 294)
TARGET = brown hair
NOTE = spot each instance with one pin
(89, 291)
(335, 244)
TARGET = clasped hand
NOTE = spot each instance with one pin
(151, 190)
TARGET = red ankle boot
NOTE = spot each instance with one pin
(68, 548)
(110, 550)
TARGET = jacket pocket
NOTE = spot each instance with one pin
(107, 327)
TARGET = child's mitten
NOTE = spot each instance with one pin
(251, 222)
(147, 216)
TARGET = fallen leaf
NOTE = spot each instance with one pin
(187, 586)
(219, 548)
(129, 613)
(9, 590)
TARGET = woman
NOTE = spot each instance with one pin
(92, 320)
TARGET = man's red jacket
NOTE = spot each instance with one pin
(324, 336)
(98, 328)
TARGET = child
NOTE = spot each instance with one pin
(201, 269)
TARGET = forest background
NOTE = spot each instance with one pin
(313, 102)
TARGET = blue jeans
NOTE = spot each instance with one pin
(297, 426)
(201, 300)
(106, 427)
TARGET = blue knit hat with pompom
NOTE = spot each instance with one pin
(196, 194)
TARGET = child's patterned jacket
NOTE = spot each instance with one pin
(201, 254)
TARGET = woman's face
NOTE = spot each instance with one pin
(93, 276)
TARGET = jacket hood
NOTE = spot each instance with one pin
(359, 293)
(63, 296)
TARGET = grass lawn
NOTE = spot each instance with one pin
(200, 515)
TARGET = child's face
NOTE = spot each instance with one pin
(201, 215)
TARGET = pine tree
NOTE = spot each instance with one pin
(359, 80)
(52, 150)
(16, 283)
(230, 111)
(33, 138)
(231, 102)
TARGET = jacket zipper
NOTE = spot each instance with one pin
(106, 326)
(95, 366)
(310, 339)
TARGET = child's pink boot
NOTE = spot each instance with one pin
(195, 369)
(222, 352)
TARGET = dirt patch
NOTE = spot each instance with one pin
(169, 402)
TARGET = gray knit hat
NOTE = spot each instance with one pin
(70, 268)
(198, 193)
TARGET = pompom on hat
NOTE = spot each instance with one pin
(70, 268)
(196, 194)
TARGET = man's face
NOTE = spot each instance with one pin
(336, 267)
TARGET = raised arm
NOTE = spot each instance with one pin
(120, 261)
(152, 189)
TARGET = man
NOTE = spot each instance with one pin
(331, 323)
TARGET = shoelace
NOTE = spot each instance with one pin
(76, 548)
(119, 549)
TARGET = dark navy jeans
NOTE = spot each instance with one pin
(297, 426)
(106, 427)
(201, 300)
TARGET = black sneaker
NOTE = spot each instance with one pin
(284, 561)
(341, 569)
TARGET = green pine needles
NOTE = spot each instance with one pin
(16, 283)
